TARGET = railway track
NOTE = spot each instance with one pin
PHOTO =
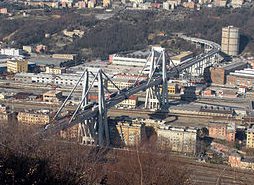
(143, 111)
(206, 173)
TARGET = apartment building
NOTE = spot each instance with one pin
(219, 73)
(129, 133)
(177, 139)
(54, 70)
(5, 113)
(236, 161)
(52, 96)
(130, 103)
(60, 80)
(17, 66)
(250, 137)
(70, 133)
(222, 130)
(125, 80)
(173, 88)
(34, 117)
(243, 77)
(11, 52)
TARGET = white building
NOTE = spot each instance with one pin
(54, 70)
(64, 80)
(128, 60)
(11, 52)
(137, 1)
(177, 139)
(237, 3)
(165, 5)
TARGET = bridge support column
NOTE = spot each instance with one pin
(102, 119)
(157, 97)
(84, 130)
(164, 93)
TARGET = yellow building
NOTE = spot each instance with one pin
(131, 134)
(34, 117)
(185, 55)
(70, 133)
(52, 96)
(250, 137)
(54, 70)
(131, 103)
(106, 3)
(173, 88)
(17, 66)
(120, 84)
(5, 114)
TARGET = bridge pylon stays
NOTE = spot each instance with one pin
(157, 96)
(93, 131)
(85, 129)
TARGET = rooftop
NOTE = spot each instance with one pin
(52, 92)
(181, 55)
(46, 60)
(248, 73)
(249, 159)
(180, 129)
(251, 129)
(36, 111)
(136, 54)
(109, 69)
(233, 65)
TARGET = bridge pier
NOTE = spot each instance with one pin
(103, 132)
(95, 130)
(157, 97)
(84, 131)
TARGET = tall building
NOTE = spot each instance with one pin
(131, 134)
(222, 130)
(177, 139)
(250, 137)
(34, 117)
(126, 132)
(17, 66)
(219, 73)
(230, 40)
(5, 114)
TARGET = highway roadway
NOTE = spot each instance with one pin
(87, 114)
